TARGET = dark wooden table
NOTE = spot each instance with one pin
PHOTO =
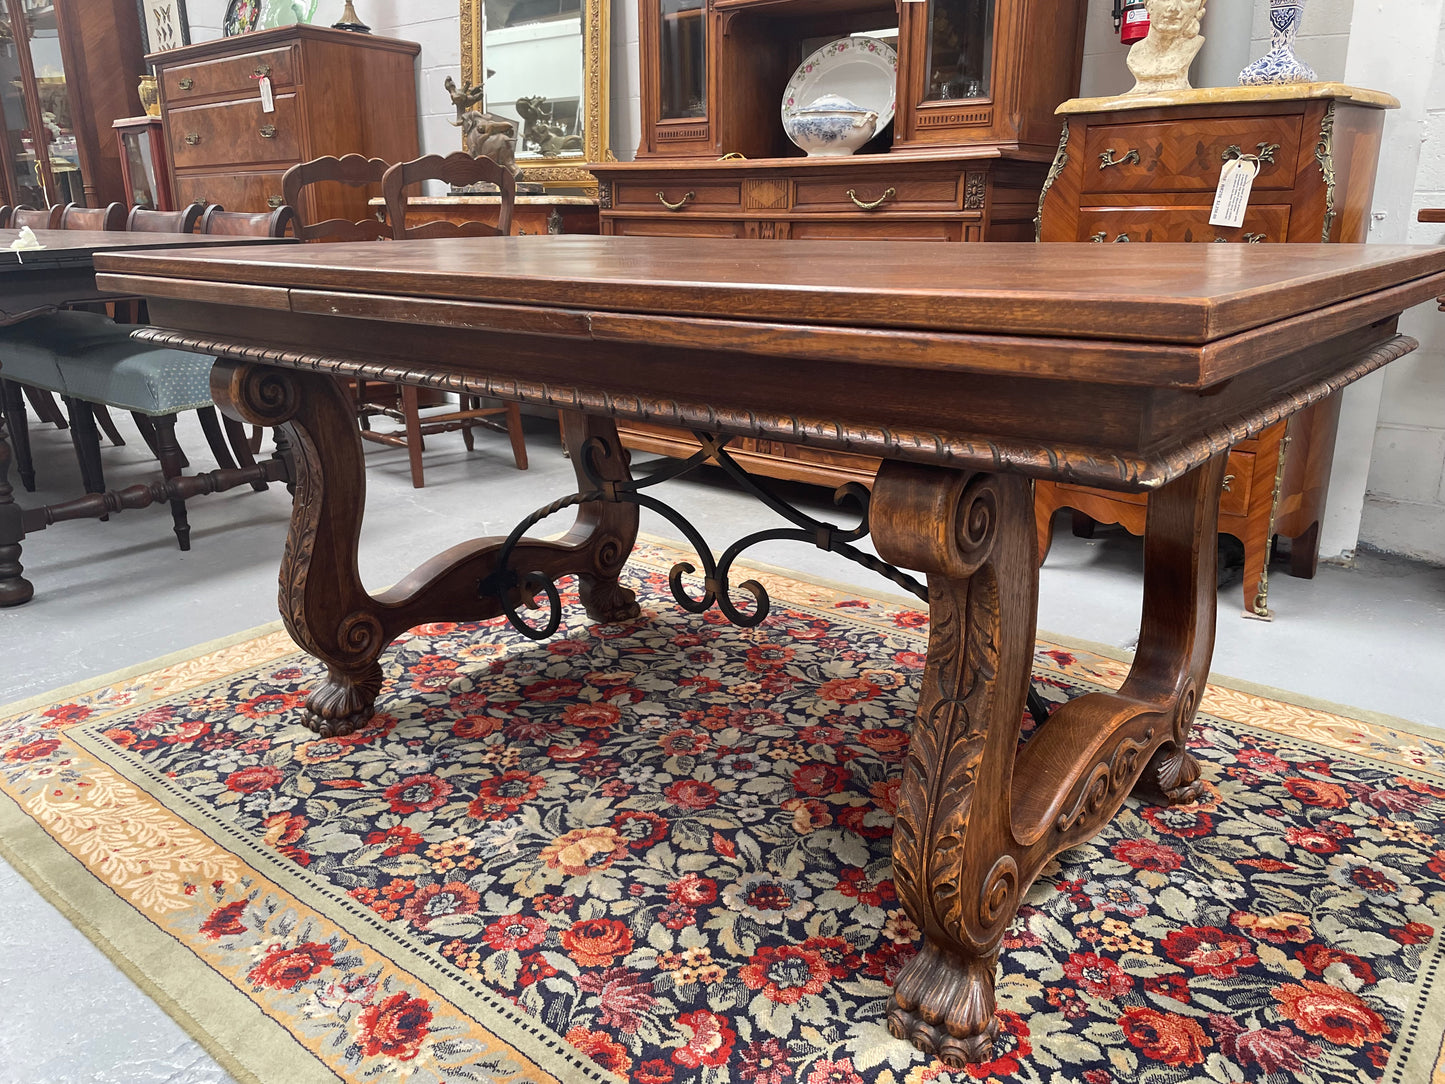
(38, 281)
(969, 371)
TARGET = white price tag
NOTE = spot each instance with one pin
(1231, 198)
(268, 98)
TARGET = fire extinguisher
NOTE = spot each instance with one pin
(1131, 20)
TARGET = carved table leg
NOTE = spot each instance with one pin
(323, 602)
(14, 588)
(978, 818)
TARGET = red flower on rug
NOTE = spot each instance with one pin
(516, 932)
(710, 1041)
(1209, 951)
(1316, 792)
(598, 1046)
(786, 973)
(225, 921)
(502, 795)
(286, 967)
(32, 750)
(417, 794)
(1166, 1037)
(396, 1028)
(256, 778)
(597, 942)
(1098, 976)
(1147, 854)
(1337, 1015)
(439, 901)
(690, 890)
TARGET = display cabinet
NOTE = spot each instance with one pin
(144, 173)
(67, 71)
(964, 158)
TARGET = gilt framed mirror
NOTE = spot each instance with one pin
(543, 64)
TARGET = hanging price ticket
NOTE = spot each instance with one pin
(1231, 198)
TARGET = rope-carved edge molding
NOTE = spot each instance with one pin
(1064, 463)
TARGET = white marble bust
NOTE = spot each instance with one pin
(1161, 60)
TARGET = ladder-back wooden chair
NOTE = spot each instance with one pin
(457, 168)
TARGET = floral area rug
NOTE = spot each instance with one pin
(660, 853)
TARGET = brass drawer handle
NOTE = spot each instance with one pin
(1254, 238)
(1228, 478)
(1264, 152)
(1100, 237)
(1107, 159)
(192, 139)
(871, 205)
(186, 83)
(268, 131)
(274, 201)
(261, 71)
(680, 204)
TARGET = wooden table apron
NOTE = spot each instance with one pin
(1141, 376)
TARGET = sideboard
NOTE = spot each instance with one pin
(1145, 168)
(334, 92)
(963, 159)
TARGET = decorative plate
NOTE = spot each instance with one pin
(241, 16)
(862, 70)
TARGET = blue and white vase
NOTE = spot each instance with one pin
(1280, 65)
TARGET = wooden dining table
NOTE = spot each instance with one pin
(37, 281)
(970, 370)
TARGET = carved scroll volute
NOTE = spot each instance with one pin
(331, 618)
(972, 535)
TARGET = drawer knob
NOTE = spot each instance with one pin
(186, 84)
(1264, 152)
(1228, 478)
(261, 71)
(687, 198)
(274, 201)
(268, 131)
(871, 205)
(193, 138)
(1107, 159)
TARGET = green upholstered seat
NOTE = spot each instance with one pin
(88, 356)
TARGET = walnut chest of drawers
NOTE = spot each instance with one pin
(1146, 169)
(334, 93)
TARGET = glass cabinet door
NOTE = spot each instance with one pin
(22, 166)
(57, 135)
(683, 60)
(960, 49)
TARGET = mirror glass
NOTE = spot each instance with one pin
(533, 55)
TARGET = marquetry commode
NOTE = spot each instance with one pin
(1145, 168)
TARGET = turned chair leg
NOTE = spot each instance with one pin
(169, 453)
(469, 402)
(12, 401)
(517, 436)
(86, 439)
(107, 424)
(410, 408)
(245, 454)
(215, 439)
(46, 408)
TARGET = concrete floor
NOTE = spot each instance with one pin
(110, 595)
